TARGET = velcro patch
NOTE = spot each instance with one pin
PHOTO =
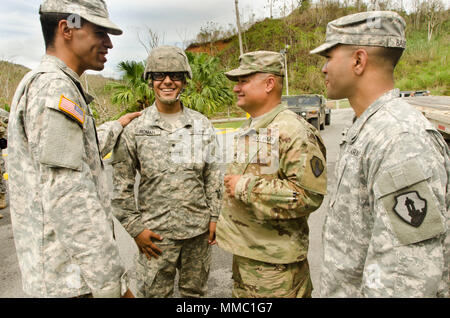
(414, 214)
(72, 109)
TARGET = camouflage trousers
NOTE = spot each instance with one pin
(192, 257)
(255, 279)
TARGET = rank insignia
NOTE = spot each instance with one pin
(316, 166)
(411, 208)
(72, 109)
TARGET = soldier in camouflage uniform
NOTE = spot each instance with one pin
(60, 210)
(173, 149)
(4, 115)
(385, 232)
(277, 178)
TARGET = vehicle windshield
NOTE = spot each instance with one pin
(301, 100)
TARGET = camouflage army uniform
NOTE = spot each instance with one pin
(179, 195)
(372, 247)
(265, 224)
(60, 210)
(385, 230)
(4, 115)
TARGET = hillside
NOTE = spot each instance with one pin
(11, 74)
(424, 65)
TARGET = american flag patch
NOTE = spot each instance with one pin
(71, 108)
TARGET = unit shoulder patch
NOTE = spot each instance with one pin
(72, 109)
(411, 208)
(316, 166)
(413, 213)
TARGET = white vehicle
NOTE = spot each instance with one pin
(436, 109)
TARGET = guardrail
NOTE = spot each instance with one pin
(227, 120)
(337, 102)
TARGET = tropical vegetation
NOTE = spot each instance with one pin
(206, 92)
(132, 93)
(209, 88)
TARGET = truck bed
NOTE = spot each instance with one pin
(436, 109)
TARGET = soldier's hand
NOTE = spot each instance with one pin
(128, 294)
(230, 184)
(146, 245)
(127, 118)
(212, 233)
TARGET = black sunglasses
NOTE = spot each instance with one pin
(174, 76)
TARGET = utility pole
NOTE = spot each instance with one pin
(284, 52)
(238, 22)
(271, 5)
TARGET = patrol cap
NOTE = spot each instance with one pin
(371, 28)
(258, 62)
(167, 58)
(94, 11)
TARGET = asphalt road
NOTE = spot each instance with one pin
(220, 283)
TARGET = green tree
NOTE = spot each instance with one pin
(132, 93)
(209, 90)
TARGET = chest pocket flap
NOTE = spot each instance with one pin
(62, 144)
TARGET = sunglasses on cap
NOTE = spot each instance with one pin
(174, 76)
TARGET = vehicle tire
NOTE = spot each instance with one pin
(328, 119)
(315, 122)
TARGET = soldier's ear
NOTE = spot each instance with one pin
(64, 30)
(270, 84)
(360, 57)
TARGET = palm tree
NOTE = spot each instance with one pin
(133, 91)
(206, 92)
(209, 89)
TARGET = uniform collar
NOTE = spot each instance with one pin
(358, 124)
(265, 121)
(156, 120)
(50, 59)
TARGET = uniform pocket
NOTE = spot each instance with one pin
(62, 144)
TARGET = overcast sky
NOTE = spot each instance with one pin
(175, 21)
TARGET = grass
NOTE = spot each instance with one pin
(425, 65)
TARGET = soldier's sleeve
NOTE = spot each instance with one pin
(300, 184)
(108, 133)
(4, 115)
(213, 176)
(69, 195)
(406, 253)
(125, 165)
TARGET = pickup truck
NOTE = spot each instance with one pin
(311, 107)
